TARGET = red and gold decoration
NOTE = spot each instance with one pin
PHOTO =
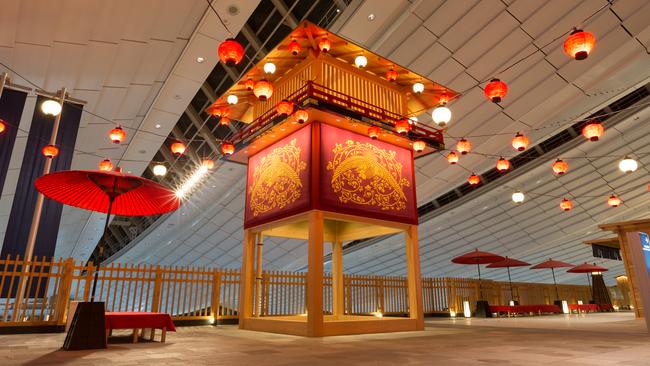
(391, 75)
(324, 44)
(373, 132)
(579, 44)
(593, 131)
(224, 121)
(249, 84)
(178, 148)
(503, 165)
(520, 142)
(463, 146)
(285, 107)
(50, 151)
(231, 52)
(560, 167)
(117, 135)
(474, 179)
(227, 148)
(263, 89)
(217, 111)
(419, 146)
(566, 205)
(294, 47)
(614, 201)
(105, 165)
(496, 90)
(301, 116)
(452, 158)
(402, 126)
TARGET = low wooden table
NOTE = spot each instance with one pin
(140, 321)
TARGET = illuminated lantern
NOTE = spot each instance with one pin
(284, 107)
(566, 205)
(560, 167)
(224, 121)
(361, 61)
(269, 68)
(419, 146)
(518, 197)
(159, 170)
(463, 146)
(207, 163)
(231, 52)
(232, 99)
(117, 135)
(105, 165)
(3, 127)
(593, 131)
(391, 75)
(227, 148)
(520, 142)
(294, 47)
(418, 88)
(50, 151)
(628, 165)
(503, 165)
(263, 90)
(496, 90)
(217, 111)
(402, 126)
(51, 107)
(178, 148)
(614, 201)
(474, 179)
(324, 45)
(301, 116)
(452, 158)
(441, 115)
(579, 44)
(249, 84)
(373, 132)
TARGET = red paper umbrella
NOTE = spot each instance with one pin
(552, 264)
(507, 263)
(477, 257)
(112, 192)
(588, 269)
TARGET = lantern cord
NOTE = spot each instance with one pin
(219, 16)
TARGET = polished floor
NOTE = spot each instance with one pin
(594, 339)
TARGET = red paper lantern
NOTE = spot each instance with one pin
(391, 75)
(593, 131)
(227, 148)
(231, 52)
(249, 84)
(452, 158)
(207, 163)
(294, 47)
(106, 165)
(560, 167)
(419, 146)
(579, 44)
(503, 165)
(263, 90)
(3, 126)
(117, 135)
(224, 121)
(50, 151)
(463, 146)
(474, 179)
(496, 90)
(402, 126)
(324, 45)
(301, 116)
(284, 107)
(614, 201)
(217, 111)
(373, 132)
(520, 142)
(178, 148)
(566, 205)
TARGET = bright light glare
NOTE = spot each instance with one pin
(195, 178)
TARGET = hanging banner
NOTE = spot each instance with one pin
(11, 110)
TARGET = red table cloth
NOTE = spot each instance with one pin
(585, 307)
(138, 320)
(542, 308)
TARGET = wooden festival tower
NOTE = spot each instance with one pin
(325, 180)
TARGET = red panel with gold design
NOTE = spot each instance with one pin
(278, 179)
(365, 177)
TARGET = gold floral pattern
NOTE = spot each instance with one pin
(367, 175)
(276, 179)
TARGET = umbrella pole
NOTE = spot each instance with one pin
(557, 294)
(480, 288)
(101, 248)
(591, 288)
(512, 296)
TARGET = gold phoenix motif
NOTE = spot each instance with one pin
(276, 179)
(367, 175)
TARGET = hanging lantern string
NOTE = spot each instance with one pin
(219, 17)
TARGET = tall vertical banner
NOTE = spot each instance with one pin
(12, 103)
(639, 245)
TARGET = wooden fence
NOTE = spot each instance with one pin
(202, 293)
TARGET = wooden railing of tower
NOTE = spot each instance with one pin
(202, 293)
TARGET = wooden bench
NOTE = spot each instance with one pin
(139, 321)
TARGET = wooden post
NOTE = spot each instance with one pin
(631, 274)
(63, 291)
(157, 289)
(215, 302)
(414, 278)
(258, 274)
(315, 275)
(338, 300)
(247, 279)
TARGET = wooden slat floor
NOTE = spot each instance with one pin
(595, 339)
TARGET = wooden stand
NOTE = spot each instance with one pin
(87, 330)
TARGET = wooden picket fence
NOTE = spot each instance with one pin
(203, 293)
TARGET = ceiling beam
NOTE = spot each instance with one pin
(289, 18)
(205, 132)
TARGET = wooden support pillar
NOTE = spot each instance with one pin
(258, 275)
(414, 277)
(631, 275)
(338, 296)
(315, 275)
(247, 279)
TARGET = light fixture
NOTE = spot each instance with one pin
(463, 146)
(249, 84)
(301, 116)
(402, 126)
(419, 145)
(51, 107)
(371, 17)
(413, 120)
(560, 167)
(200, 59)
(361, 61)
(215, 110)
(628, 165)
(106, 165)
(496, 90)
(474, 179)
(224, 121)
(50, 151)
(294, 47)
(230, 52)
(232, 99)
(503, 165)
(518, 197)
(324, 45)
(391, 75)
(579, 44)
(593, 131)
(441, 115)
(117, 135)
(269, 68)
(157, 126)
(159, 170)
(178, 148)
(418, 88)
(566, 205)
(263, 90)
(373, 132)
(520, 142)
(3, 126)
(452, 158)
(614, 201)
(227, 148)
(208, 163)
(284, 107)
(195, 178)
